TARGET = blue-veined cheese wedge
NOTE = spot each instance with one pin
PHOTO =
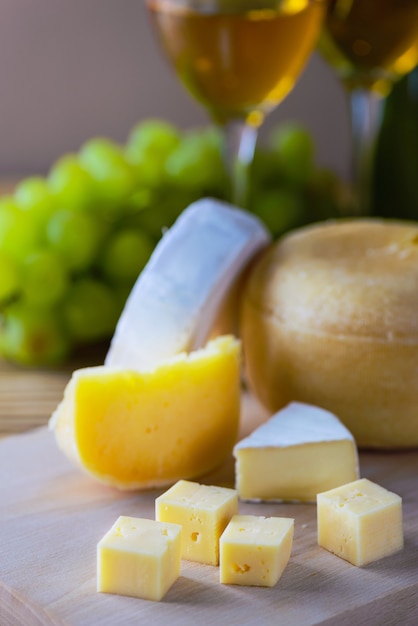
(177, 297)
(299, 452)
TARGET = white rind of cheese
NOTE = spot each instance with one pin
(175, 300)
(295, 424)
(295, 455)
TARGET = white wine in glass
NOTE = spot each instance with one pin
(370, 44)
(239, 59)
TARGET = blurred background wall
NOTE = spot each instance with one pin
(73, 69)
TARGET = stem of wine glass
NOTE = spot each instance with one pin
(239, 145)
(366, 115)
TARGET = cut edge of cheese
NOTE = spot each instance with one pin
(296, 426)
(212, 420)
(176, 299)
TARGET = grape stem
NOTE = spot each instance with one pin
(366, 110)
(239, 145)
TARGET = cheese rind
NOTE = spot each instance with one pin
(147, 429)
(139, 557)
(329, 317)
(360, 522)
(255, 550)
(203, 511)
(297, 453)
(177, 297)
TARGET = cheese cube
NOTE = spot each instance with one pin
(255, 550)
(203, 512)
(139, 557)
(360, 522)
(299, 452)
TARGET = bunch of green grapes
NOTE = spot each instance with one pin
(73, 242)
(287, 189)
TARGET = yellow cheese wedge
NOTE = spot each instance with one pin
(143, 429)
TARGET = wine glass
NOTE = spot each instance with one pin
(370, 44)
(239, 59)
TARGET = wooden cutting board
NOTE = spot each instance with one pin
(52, 516)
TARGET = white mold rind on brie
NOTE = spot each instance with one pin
(177, 297)
(299, 452)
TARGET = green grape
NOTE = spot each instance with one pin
(19, 234)
(149, 220)
(33, 196)
(106, 163)
(148, 147)
(75, 236)
(163, 212)
(125, 255)
(44, 279)
(197, 163)
(142, 198)
(71, 185)
(121, 293)
(265, 170)
(172, 203)
(280, 209)
(9, 278)
(90, 311)
(32, 337)
(296, 150)
(154, 137)
(327, 194)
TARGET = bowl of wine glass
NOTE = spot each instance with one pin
(239, 60)
(370, 44)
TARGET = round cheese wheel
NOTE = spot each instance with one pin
(330, 317)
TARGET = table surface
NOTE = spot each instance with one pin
(28, 396)
(52, 516)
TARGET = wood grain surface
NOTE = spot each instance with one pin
(52, 516)
(28, 396)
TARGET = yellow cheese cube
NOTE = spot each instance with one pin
(139, 557)
(142, 429)
(203, 512)
(255, 550)
(360, 522)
